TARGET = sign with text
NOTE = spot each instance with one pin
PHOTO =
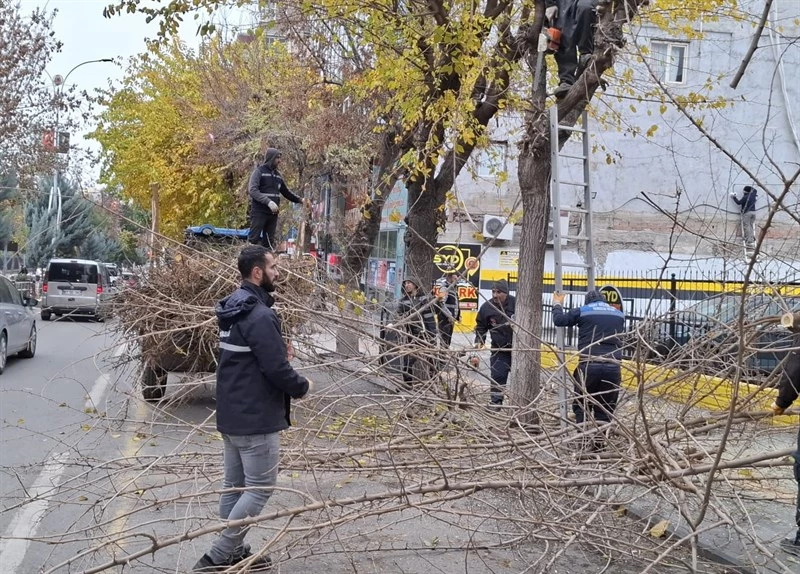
(462, 259)
(613, 296)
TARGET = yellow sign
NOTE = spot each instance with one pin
(509, 258)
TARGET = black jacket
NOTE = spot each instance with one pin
(254, 378)
(494, 319)
(789, 387)
(599, 325)
(448, 310)
(748, 200)
(266, 185)
(416, 315)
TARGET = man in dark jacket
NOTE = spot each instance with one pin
(448, 312)
(788, 391)
(415, 313)
(598, 375)
(747, 204)
(265, 189)
(576, 19)
(255, 385)
(494, 318)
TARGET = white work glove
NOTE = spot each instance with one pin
(733, 195)
(551, 14)
(273, 206)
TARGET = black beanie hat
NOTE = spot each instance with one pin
(594, 296)
(501, 285)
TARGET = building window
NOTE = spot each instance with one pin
(668, 61)
(491, 161)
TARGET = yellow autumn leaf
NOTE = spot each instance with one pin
(660, 529)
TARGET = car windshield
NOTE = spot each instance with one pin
(72, 272)
(725, 308)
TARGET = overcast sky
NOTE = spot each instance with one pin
(86, 35)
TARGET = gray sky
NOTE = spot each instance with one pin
(86, 35)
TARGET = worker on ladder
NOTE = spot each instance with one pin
(598, 376)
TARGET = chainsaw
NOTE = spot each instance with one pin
(549, 41)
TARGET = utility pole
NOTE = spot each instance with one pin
(54, 199)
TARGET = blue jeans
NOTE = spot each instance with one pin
(251, 462)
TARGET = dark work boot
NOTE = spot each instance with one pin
(562, 90)
(206, 566)
(583, 63)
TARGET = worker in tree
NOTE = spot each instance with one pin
(597, 377)
(788, 391)
(416, 312)
(494, 318)
(265, 189)
(576, 19)
(747, 205)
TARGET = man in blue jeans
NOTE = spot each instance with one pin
(255, 385)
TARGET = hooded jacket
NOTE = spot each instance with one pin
(255, 382)
(266, 184)
(748, 200)
(416, 313)
(599, 325)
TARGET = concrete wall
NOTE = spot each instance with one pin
(667, 191)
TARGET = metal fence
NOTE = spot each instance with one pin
(657, 294)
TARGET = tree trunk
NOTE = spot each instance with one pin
(424, 218)
(534, 179)
(360, 245)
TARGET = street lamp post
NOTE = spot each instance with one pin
(58, 83)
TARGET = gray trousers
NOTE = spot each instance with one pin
(749, 226)
(250, 462)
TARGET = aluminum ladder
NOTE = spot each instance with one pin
(583, 238)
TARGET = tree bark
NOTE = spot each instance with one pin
(534, 179)
(534, 176)
(363, 239)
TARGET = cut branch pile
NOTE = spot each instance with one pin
(171, 312)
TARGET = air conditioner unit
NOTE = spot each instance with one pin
(563, 228)
(497, 227)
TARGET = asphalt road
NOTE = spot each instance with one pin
(47, 418)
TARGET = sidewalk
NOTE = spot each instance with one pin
(755, 505)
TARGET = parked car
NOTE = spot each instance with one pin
(76, 287)
(113, 272)
(129, 279)
(17, 323)
(707, 333)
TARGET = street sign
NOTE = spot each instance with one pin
(613, 296)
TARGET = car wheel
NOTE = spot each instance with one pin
(154, 383)
(3, 351)
(45, 315)
(30, 350)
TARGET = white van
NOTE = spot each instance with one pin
(75, 287)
